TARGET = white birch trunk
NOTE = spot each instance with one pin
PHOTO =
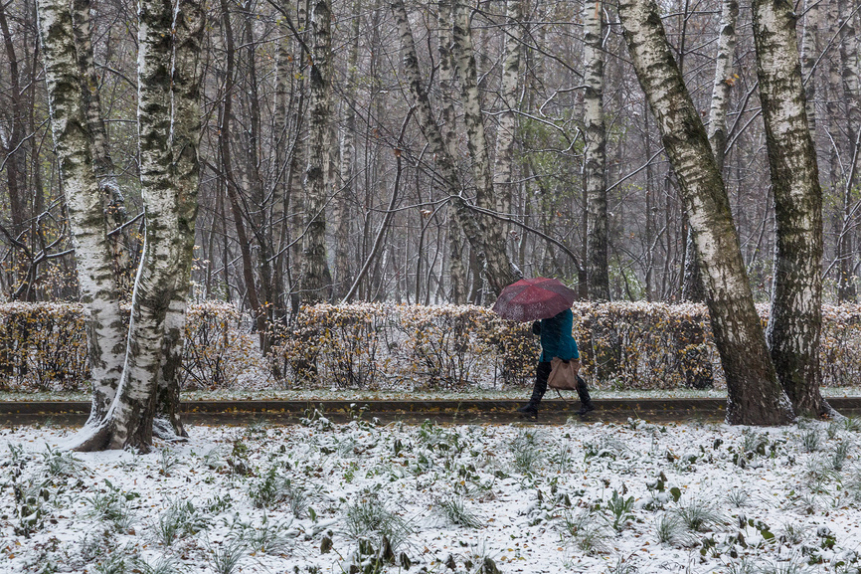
(795, 320)
(106, 333)
(755, 396)
(474, 229)
(341, 215)
(809, 54)
(507, 119)
(594, 153)
(849, 70)
(457, 270)
(187, 70)
(103, 165)
(497, 268)
(316, 279)
(129, 422)
(724, 80)
(692, 285)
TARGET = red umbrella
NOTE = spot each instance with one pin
(533, 299)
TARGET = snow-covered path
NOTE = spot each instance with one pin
(581, 498)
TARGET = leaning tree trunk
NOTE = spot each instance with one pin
(594, 153)
(474, 227)
(795, 320)
(692, 285)
(103, 164)
(187, 68)
(755, 396)
(106, 331)
(129, 422)
(498, 271)
(457, 270)
(316, 280)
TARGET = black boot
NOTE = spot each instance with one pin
(530, 410)
(586, 405)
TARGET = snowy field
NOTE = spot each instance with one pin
(358, 497)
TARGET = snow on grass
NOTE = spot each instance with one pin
(359, 497)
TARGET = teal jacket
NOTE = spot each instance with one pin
(556, 338)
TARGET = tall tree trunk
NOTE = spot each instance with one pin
(224, 140)
(316, 280)
(723, 80)
(498, 270)
(103, 164)
(692, 284)
(187, 74)
(343, 278)
(755, 395)
(809, 55)
(14, 154)
(106, 332)
(507, 119)
(594, 153)
(129, 422)
(474, 228)
(280, 169)
(457, 270)
(849, 70)
(796, 305)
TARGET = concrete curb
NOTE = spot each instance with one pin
(614, 408)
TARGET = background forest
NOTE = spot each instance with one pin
(385, 208)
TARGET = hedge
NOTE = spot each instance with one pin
(375, 346)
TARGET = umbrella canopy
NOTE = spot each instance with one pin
(533, 299)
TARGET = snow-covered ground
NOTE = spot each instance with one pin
(366, 498)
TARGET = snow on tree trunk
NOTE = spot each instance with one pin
(498, 271)
(103, 165)
(457, 270)
(187, 68)
(129, 422)
(473, 227)
(594, 152)
(795, 320)
(106, 332)
(316, 280)
(505, 131)
(755, 396)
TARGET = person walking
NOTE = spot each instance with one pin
(556, 341)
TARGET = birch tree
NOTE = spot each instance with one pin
(448, 120)
(474, 227)
(103, 164)
(316, 278)
(187, 74)
(755, 396)
(106, 332)
(692, 286)
(498, 270)
(594, 153)
(795, 320)
(851, 84)
(168, 165)
(507, 118)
